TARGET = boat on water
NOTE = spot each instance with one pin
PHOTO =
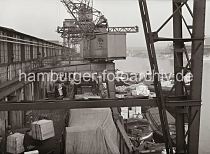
(152, 115)
(138, 130)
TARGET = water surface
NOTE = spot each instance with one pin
(141, 65)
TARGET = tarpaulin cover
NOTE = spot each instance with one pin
(91, 131)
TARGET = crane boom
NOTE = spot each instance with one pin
(86, 22)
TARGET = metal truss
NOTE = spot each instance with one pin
(86, 17)
(74, 104)
(154, 68)
(75, 31)
(123, 29)
(194, 66)
(96, 103)
(87, 22)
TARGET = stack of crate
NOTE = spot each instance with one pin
(15, 143)
(42, 129)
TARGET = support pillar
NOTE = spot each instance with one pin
(178, 64)
(197, 70)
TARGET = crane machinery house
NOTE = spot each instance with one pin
(108, 46)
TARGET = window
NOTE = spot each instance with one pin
(44, 52)
(47, 52)
(50, 51)
(17, 51)
(40, 50)
(35, 50)
(3, 51)
(27, 52)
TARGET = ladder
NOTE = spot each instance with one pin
(149, 37)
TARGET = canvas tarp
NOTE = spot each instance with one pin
(91, 131)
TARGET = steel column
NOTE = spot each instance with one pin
(197, 69)
(149, 37)
(178, 64)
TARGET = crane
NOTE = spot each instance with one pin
(86, 22)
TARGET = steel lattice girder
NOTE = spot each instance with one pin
(97, 103)
(194, 65)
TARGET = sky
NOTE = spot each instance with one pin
(41, 17)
